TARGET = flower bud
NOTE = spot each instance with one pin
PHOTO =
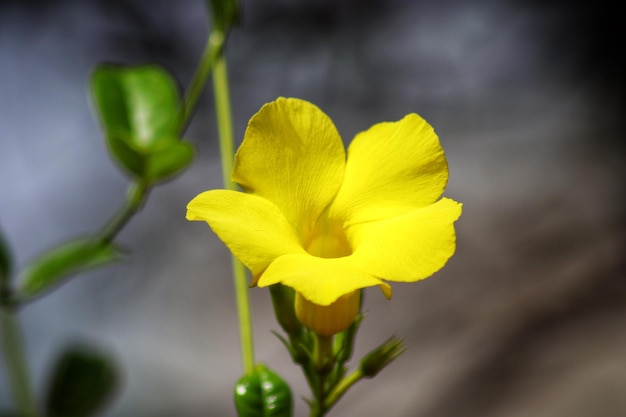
(331, 319)
(263, 394)
(376, 360)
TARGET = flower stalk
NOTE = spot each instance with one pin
(16, 367)
(210, 56)
(136, 197)
(226, 141)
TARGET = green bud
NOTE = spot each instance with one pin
(376, 360)
(263, 394)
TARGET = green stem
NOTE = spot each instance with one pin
(137, 195)
(322, 361)
(226, 139)
(341, 388)
(212, 52)
(323, 352)
(224, 120)
(16, 369)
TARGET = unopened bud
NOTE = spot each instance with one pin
(376, 360)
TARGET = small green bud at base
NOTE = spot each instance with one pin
(379, 358)
(263, 394)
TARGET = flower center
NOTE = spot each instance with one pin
(328, 240)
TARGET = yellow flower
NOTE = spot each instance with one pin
(326, 225)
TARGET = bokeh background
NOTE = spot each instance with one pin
(528, 318)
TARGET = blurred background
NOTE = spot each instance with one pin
(527, 319)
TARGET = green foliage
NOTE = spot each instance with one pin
(141, 113)
(263, 394)
(63, 261)
(82, 381)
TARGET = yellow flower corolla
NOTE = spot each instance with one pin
(328, 225)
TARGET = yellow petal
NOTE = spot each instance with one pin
(409, 247)
(392, 168)
(320, 280)
(253, 228)
(292, 156)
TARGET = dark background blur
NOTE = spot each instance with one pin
(528, 318)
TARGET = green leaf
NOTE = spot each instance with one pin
(263, 394)
(128, 157)
(166, 163)
(140, 110)
(63, 261)
(83, 380)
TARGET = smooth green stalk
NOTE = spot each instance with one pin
(323, 362)
(16, 368)
(137, 195)
(323, 353)
(226, 139)
(212, 52)
(341, 388)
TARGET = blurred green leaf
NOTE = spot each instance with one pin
(63, 261)
(126, 155)
(263, 394)
(82, 381)
(141, 112)
(167, 162)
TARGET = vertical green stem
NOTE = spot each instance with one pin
(212, 51)
(225, 133)
(224, 120)
(323, 362)
(17, 371)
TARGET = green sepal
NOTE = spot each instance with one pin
(263, 394)
(140, 109)
(283, 301)
(83, 380)
(53, 267)
(344, 341)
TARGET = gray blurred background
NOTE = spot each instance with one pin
(527, 319)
